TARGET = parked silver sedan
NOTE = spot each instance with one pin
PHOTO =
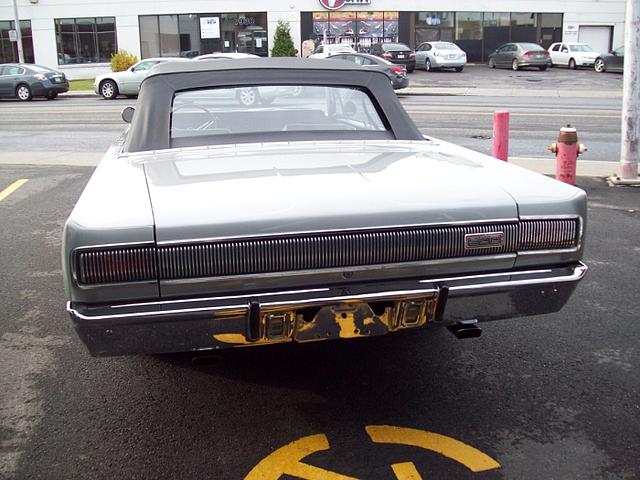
(112, 84)
(517, 55)
(436, 55)
(209, 225)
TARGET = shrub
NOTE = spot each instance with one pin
(282, 41)
(122, 60)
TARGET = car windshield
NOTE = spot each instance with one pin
(530, 46)
(581, 48)
(446, 46)
(255, 111)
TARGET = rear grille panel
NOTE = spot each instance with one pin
(548, 234)
(331, 250)
(316, 251)
(132, 264)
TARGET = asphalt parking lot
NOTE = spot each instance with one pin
(549, 397)
(479, 76)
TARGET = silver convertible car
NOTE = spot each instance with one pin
(321, 216)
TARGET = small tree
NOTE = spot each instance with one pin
(122, 60)
(282, 41)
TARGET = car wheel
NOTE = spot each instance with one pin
(51, 95)
(247, 96)
(572, 64)
(23, 92)
(492, 63)
(599, 66)
(108, 90)
(427, 65)
(515, 65)
(459, 69)
(542, 68)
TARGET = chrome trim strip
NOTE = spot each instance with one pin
(245, 306)
(577, 273)
(205, 299)
(320, 232)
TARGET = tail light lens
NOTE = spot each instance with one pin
(397, 70)
(412, 55)
(528, 54)
(546, 54)
(40, 76)
(387, 55)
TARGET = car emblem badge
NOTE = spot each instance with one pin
(474, 241)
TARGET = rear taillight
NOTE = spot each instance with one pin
(40, 76)
(528, 54)
(412, 55)
(546, 54)
(397, 70)
(387, 55)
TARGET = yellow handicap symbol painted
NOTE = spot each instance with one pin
(288, 460)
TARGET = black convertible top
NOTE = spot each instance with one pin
(150, 128)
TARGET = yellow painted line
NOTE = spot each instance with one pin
(513, 114)
(406, 471)
(287, 460)
(12, 188)
(470, 457)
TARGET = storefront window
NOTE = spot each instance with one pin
(9, 49)
(523, 19)
(497, 30)
(182, 35)
(85, 40)
(523, 27)
(469, 26)
(434, 19)
(169, 36)
(149, 36)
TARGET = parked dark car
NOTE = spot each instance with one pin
(396, 73)
(516, 55)
(397, 53)
(610, 62)
(25, 81)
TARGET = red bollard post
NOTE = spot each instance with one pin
(567, 150)
(500, 148)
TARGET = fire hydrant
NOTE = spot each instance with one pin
(567, 150)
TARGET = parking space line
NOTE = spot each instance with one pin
(470, 457)
(12, 188)
(406, 471)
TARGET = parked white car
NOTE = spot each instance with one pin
(325, 51)
(436, 55)
(572, 55)
(112, 84)
(225, 55)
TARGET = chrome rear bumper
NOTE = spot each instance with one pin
(342, 311)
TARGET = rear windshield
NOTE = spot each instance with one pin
(394, 46)
(530, 46)
(257, 113)
(39, 69)
(446, 46)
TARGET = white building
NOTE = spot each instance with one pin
(78, 36)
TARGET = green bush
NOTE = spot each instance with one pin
(122, 60)
(282, 41)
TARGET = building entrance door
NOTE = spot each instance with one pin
(598, 38)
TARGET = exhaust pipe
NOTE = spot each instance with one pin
(465, 329)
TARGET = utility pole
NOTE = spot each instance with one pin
(16, 20)
(631, 96)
